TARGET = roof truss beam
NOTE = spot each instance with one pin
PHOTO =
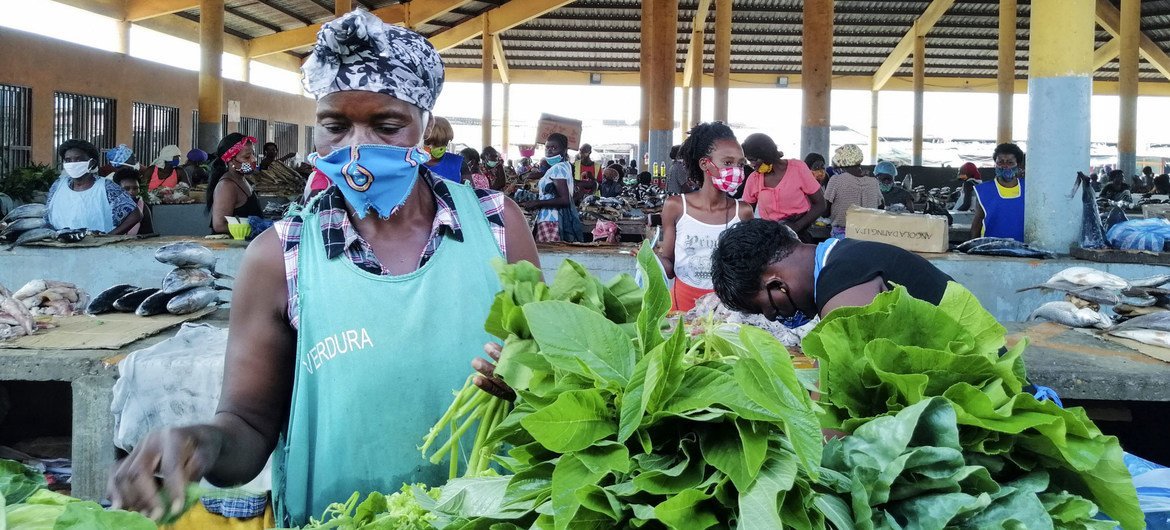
(697, 43)
(921, 26)
(1106, 53)
(1109, 18)
(501, 60)
(138, 10)
(496, 20)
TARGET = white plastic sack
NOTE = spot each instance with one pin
(173, 383)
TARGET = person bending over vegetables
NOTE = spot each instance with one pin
(761, 267)
(349, 327)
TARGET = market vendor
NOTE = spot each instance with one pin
(611, 185)
(761, 267)
(999, 211)
(79, 199)
(229, 193)
(196, 167)
(557, 219)
(1117, 190)
(271, 152)
(781, 189)
(850, 187)
(692, 223)
(442, 163)
(333, 359)
(892, 194)
(127, 179)
(164, 172)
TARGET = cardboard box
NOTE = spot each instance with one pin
(913, 232)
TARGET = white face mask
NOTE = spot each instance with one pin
(76, 170)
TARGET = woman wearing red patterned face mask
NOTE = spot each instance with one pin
(229, 193)
(693, 222)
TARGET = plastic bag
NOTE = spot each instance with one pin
(1153, 488)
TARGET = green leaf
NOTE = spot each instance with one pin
(632, 409)
(89, 515)
(724, 450)
(685, 511)
(18, 481)
(519, 361)
(664, 372)
(606, 457)
(581, 341)
(800, 423)
(574, 284)
(655, 299)
(599, 500)
(576, 420)
(759, 507)
(625, 290)
(532, 483)
(667, 475)
(568, 478)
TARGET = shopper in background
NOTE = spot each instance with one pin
(442, 163)
(128, 179)
(850, 187)
(780, 189)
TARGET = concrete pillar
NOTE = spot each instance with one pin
(646, 51)
(488, 64)
(664, 39)
(246, 64)
(816, 76)
(919, 94)
(1060, 85)
(123, 29)
(1131, 21)
(685, 120)
(698, 40)
(210, 73)
(873, 127)
(722, 57)
(1006, 74)
(506, 121)
(341, 7)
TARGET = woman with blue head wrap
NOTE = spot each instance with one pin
(352, 321)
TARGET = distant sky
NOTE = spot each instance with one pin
(772, 110)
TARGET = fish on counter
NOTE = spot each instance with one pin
(1090, 277)
(180, 279)
(1003, 246)
(1157, 280)
(104, 301)
(1096, 295)
(186, 254)
(155, 304)
(72, 235)
(129, 302)
(1153, 337)
(25, 211)
(1072, 316)
(36, 234)
(1159, 321)
(1092, 232)
(16, 228)
(192, 300)
(20, 320)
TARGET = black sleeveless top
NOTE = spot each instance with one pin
(250, 207)
(853, 262)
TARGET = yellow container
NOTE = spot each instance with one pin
(239, 231)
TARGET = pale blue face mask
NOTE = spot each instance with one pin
(377, 177)
(554, 160)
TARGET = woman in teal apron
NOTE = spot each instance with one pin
(351, 323)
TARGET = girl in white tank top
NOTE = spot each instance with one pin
(693, 243)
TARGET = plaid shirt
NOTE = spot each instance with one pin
(340, 238)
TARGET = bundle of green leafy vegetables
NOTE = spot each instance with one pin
(26, 504)
(899, 352)
(620, 426)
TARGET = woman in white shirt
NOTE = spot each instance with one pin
(79, 199)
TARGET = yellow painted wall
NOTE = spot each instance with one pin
(46, 65)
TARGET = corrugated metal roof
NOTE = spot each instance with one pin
(605, 35)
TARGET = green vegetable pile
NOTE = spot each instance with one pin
(398, 511)
(25, 504)
(619, 425)
(899, 352)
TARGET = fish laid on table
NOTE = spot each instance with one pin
(1151, 281)
(1070, 315)
(1157, 321)
(1096, 295)
(1090, 277)
(1018, 250)
(130, 301)
(36, 234)
(155, 304)
(182, 279)
(25, 211)
(186, 254)
(972, 243)
(1092, 233)
(72, 235)
(21, 315)
(21, 226)
(1152, 337)
(104, 301)
(192, 300)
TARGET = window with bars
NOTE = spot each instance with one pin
(254, 127)
(152, 127)
(15, 128)
(286, 138)
(83, 117)
(310, 144)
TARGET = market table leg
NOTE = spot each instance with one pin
(93, 436)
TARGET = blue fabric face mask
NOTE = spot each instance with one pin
(794, 321)
(554, 160)
(1005, 172)
(377, 177)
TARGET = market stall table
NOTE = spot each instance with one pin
(91, 375)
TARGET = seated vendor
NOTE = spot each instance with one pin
(127, 179)
(892, 194)
(164, 172)
(81, 200)
(1117, 190)
(442, 163)
(761, 267)
(229, 193)
(999, 211)
(271, 152)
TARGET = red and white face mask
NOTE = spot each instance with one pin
(728, 179)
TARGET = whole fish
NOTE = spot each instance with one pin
(972, 243)
(1139, 300)
(1152, 337)
(16, 310)
(1090, 277)
(72, 235)
(30, 236)
(25, 211)
(186, 254)
(155, 304)
(1017, 250)
(23, 225)
(104, 302)
(1070, 315)
(1151, 281)
(192, 300)
(179, 280)
(130, 301)
(1092, 233)
(1096, 295)
(1157, 321)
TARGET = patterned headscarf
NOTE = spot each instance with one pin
(361, 52)
(848, 155)
(119, 155)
